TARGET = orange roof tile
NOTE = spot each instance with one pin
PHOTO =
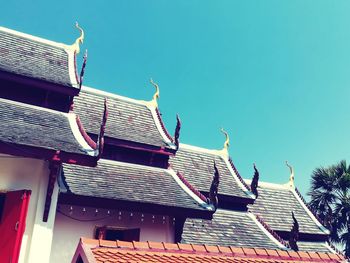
(120, 251)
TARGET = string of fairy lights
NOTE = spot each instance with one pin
(98, 215)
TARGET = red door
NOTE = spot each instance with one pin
(12, 224)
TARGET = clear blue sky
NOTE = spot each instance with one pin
(274, 74)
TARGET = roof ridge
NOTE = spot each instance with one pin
(238, 174)
(191, 187)
(102, 93)
(311, 210)
(211, 250)
(271, 231)
(34, 38)
(163, 126)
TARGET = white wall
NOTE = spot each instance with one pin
(67, 231)
(31, 174)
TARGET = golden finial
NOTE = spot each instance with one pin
(79, 40)
(291, 177)
(156, 94)
(227, 141)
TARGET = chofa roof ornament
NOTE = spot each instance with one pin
(291, 177)
(154, 101)
(80, 40)
(226, 143)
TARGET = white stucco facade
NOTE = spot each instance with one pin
(68, 231)
(18, 173)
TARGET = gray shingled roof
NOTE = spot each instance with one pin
(128, 182)
(227, 228)
(275, 207)
(198, 168)
(127, 120)
(36, 58)
(23, 124)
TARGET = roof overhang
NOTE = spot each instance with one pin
(104, 203)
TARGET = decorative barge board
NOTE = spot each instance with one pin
(132, 123)
(131, 187)
(230, 228)
(38, 62)
(275, 205)
(197, 166)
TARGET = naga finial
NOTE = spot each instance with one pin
(156, 94)
(255, 182)
(213, 192)
(177, 132)
(294, 234)
(102, 130)
(291, 177)
(227, 141)
(81, 78)
(79, 40)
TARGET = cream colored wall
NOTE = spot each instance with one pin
(67, 231)
(32, 174)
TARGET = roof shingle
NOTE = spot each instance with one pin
(128, 182)
(128, 119)
(197, 167)
(275, 205)
(23, 124)
(37, 58)
(227, 228)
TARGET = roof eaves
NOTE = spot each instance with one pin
(215, 252)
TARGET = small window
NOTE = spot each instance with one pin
(112, 233)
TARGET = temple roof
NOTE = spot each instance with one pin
(132, 183)
(23, 124)
(275, 205)
(37, 58)
(197, 166)
(128, 119)
(100, 251)
(229, 228)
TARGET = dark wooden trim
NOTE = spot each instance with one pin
(47, 154)
(303, 236)
(234, 200)
(55, 168)
(136, 145)
(88, 201)
(71, 91)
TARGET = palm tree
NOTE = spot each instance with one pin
(330, 199)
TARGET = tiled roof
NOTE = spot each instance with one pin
(129, 182)
(228, 228)
(275, 205)
(101, 251)
(37, 58)
(319, 246)
(128, 119)
(28, 125)
(197, 166)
